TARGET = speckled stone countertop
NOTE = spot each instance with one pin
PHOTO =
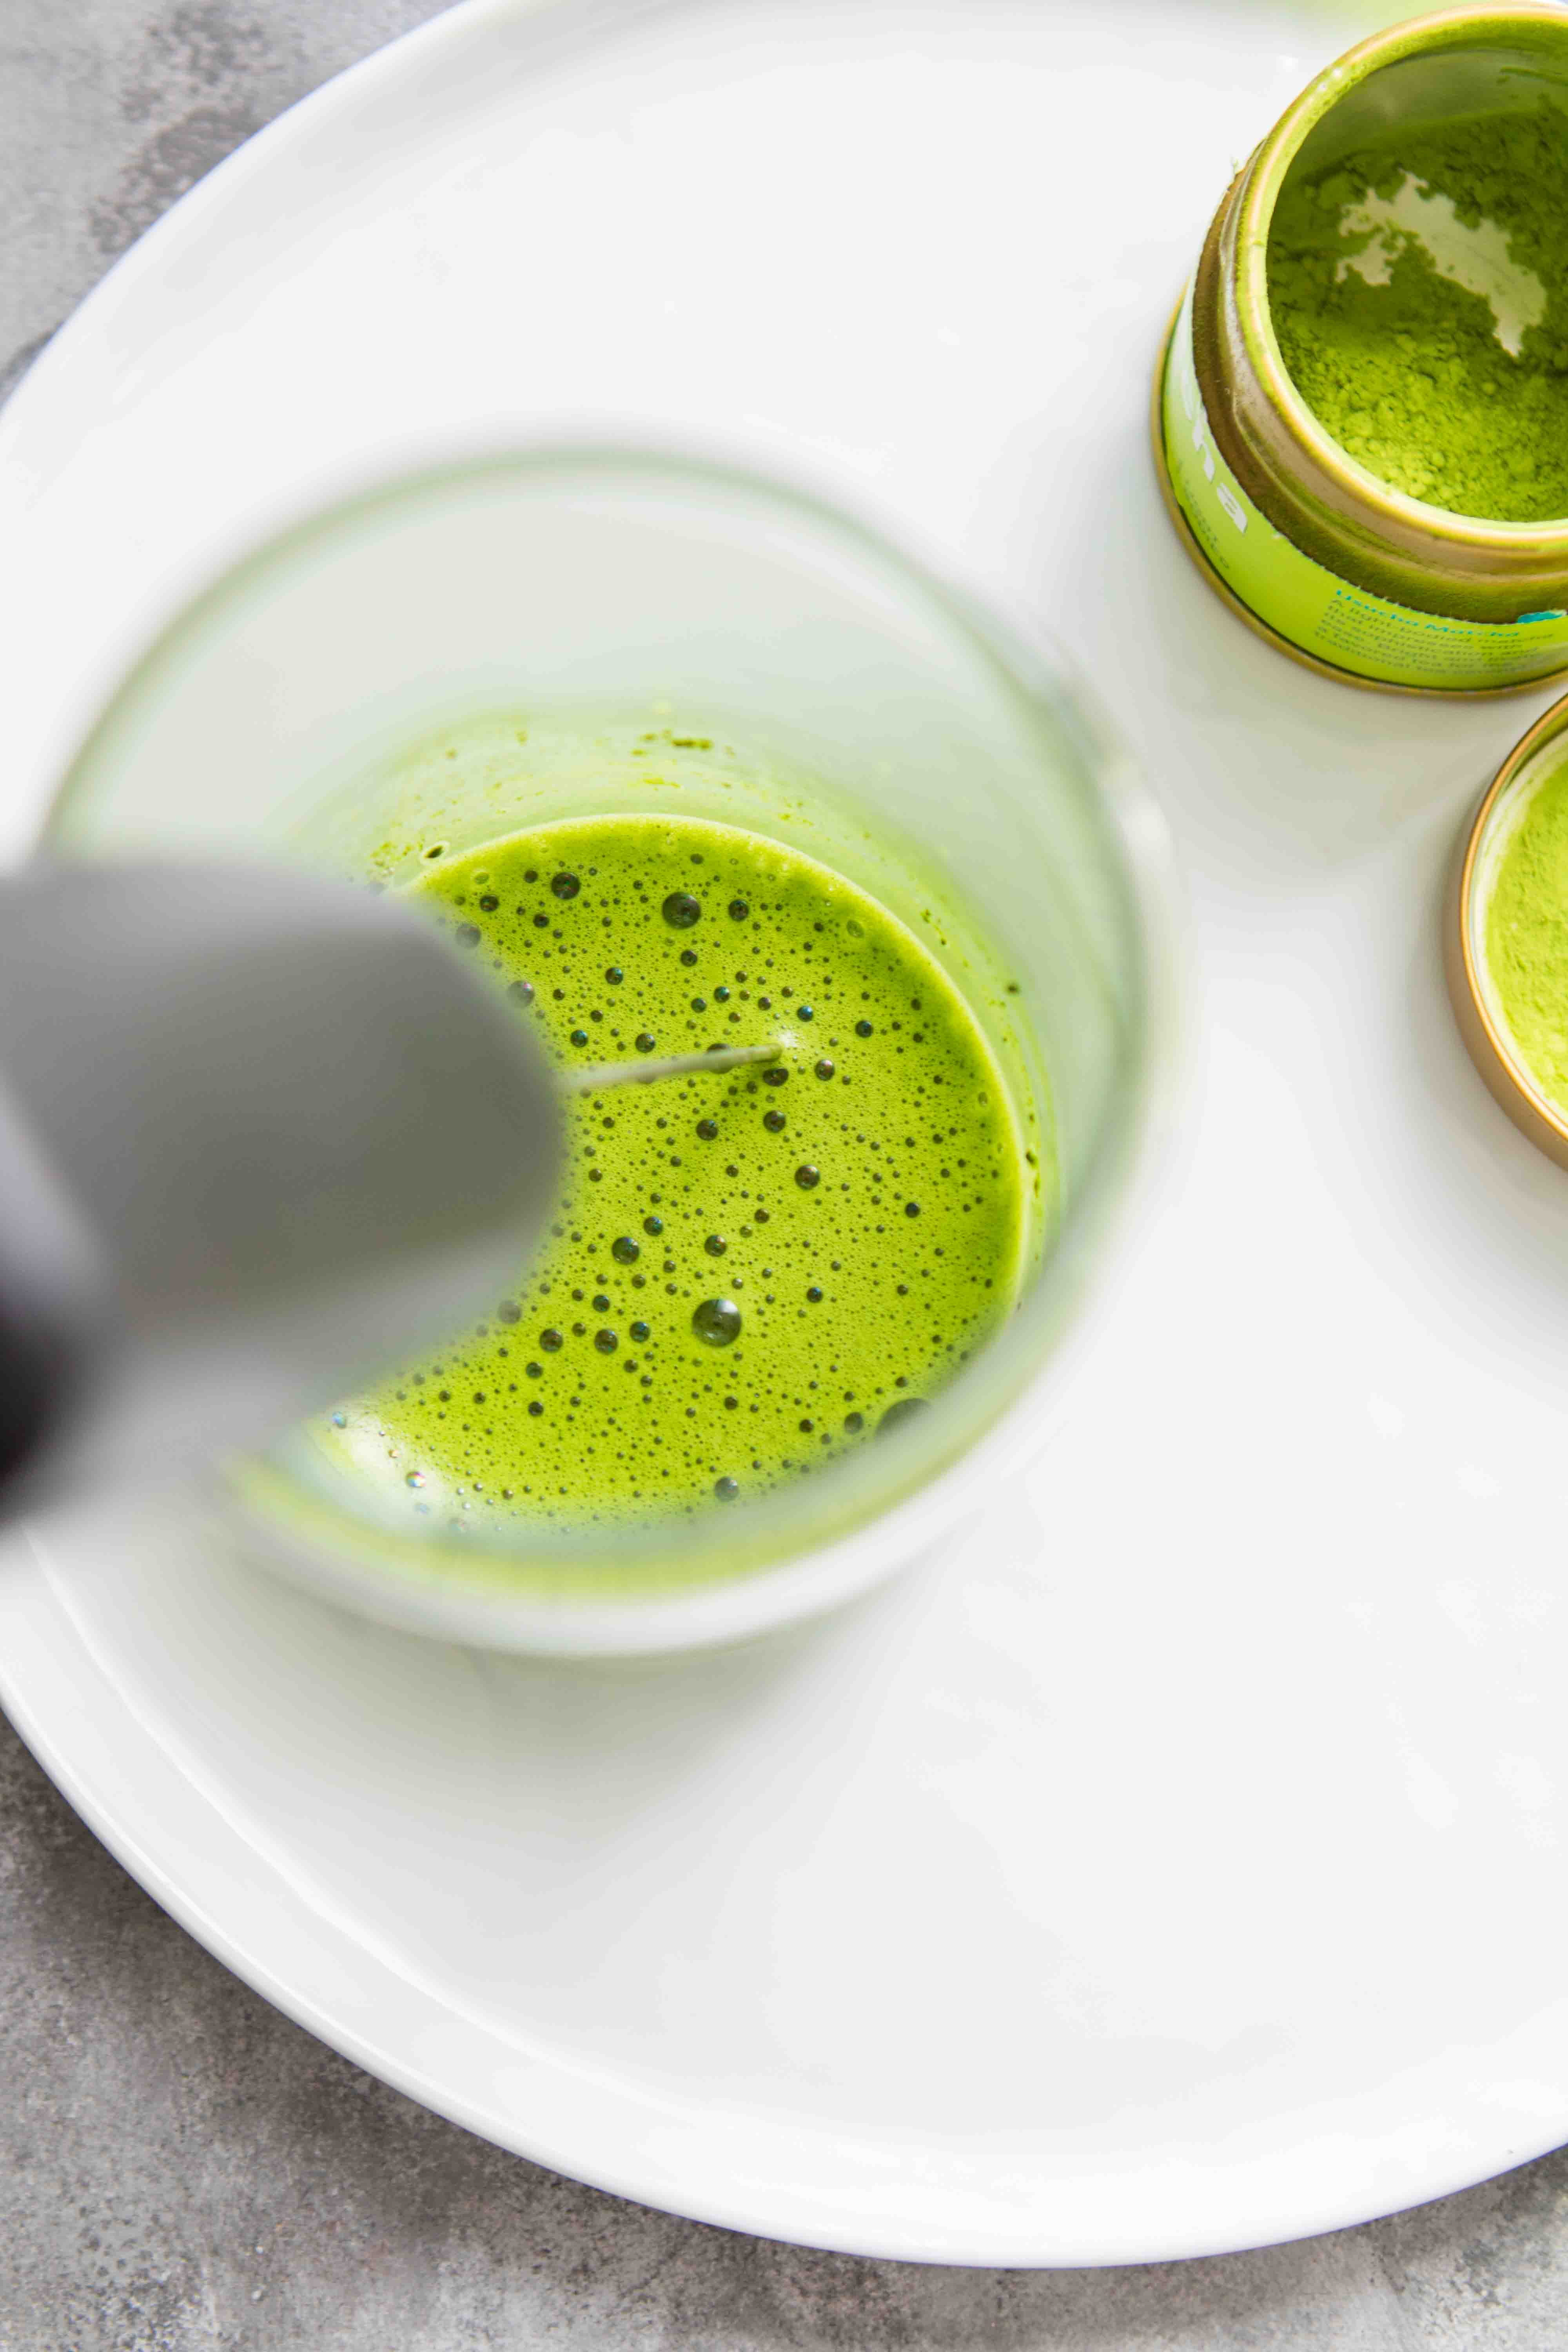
(180, 2166)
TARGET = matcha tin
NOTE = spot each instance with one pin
(1506, 935)
(1324, 556)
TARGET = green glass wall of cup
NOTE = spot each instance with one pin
(590, 706)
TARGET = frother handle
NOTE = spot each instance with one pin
(257, 1134)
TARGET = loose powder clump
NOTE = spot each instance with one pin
(1420, 291)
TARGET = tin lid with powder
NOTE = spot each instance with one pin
(1507, 934)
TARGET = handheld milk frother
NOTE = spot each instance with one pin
(257, 1133)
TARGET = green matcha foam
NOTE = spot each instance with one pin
(749, 1273)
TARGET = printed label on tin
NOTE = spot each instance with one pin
(1324, 615)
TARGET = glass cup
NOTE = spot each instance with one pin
(497, 644)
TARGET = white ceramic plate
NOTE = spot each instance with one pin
(1175, 1865)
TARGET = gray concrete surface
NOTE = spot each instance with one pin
(180, 2168)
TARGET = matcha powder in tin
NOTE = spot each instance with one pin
(1420, 291)
(1527, 937)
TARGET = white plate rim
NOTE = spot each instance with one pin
(83, 1746)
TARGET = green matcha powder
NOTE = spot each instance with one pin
(1410, 369)
(1527, 937)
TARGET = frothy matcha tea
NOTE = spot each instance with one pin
(749, 1273)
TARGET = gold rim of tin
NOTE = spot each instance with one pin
(1508, 1081)
(1463, 542)
(1261, 628)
